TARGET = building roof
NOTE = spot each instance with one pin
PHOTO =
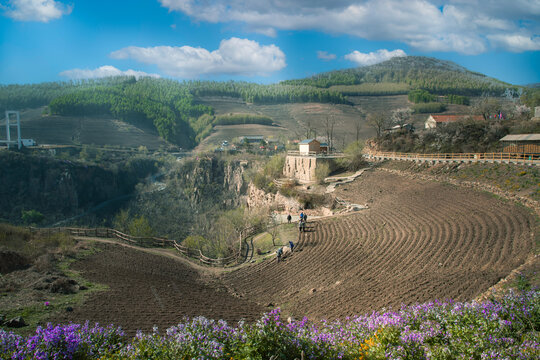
(307, 141)
(522, 137)
(453, 118)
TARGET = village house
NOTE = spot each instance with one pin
(309, 146)
(521, 144)
(434, 120)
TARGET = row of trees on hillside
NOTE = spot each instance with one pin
(436, 76)
(36, 95)
(265, 94)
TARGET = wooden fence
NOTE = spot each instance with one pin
(517, 158)
(237, 258)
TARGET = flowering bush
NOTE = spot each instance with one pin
(73, 341)
(508, 328)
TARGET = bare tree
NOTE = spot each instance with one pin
(378, 121)
(329, 125)
(310, 130)
(359, 121)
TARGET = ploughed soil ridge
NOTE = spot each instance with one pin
(418, 241)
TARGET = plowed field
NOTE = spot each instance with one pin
(147, 290)
(418, 241)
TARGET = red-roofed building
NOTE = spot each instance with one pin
(434, 120)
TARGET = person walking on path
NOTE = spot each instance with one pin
(278, 254)
(301, 216)
(291, 245)
(289, 218)
(305, 218)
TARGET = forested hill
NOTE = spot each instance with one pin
(167, 105)
(412, 72)
(171, 106)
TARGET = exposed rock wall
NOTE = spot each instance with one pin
(257, 198)
(57, 188)
(303, 167)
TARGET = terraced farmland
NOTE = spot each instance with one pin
(418, 241)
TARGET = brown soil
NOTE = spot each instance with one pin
(418, 242)
(147, 289)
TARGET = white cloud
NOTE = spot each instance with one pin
(515, 42)
(235, 56)
(323, 55)
(432, 25)
(371, 58)
(103, 71)
(36, 10)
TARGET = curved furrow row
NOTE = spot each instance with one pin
(418, 241)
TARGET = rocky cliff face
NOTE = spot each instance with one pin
(196, 192)
(257, 198)
(57, 188)
(211, 180)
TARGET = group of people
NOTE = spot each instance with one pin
(279, 252)
(301, 223)
(301, 227)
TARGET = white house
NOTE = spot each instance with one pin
(309, 146)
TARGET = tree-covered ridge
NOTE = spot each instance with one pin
(436, 76)
(265, 94)
(165, 104)
(15, 96)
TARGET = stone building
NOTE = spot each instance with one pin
(301, 164)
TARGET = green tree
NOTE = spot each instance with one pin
(139, 226)
(32, 217)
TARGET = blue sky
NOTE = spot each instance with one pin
(261, 40)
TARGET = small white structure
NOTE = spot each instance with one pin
(8, 140)
(309, 146)
(28, 142)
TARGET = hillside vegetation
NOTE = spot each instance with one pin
(436, 76)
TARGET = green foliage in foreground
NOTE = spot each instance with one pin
(498, 329)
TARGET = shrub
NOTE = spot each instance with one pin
(322, 171)
(288, 189)
(311, 201)
(431, 107)
(139, 226)
(274, 167)
(32, 217)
